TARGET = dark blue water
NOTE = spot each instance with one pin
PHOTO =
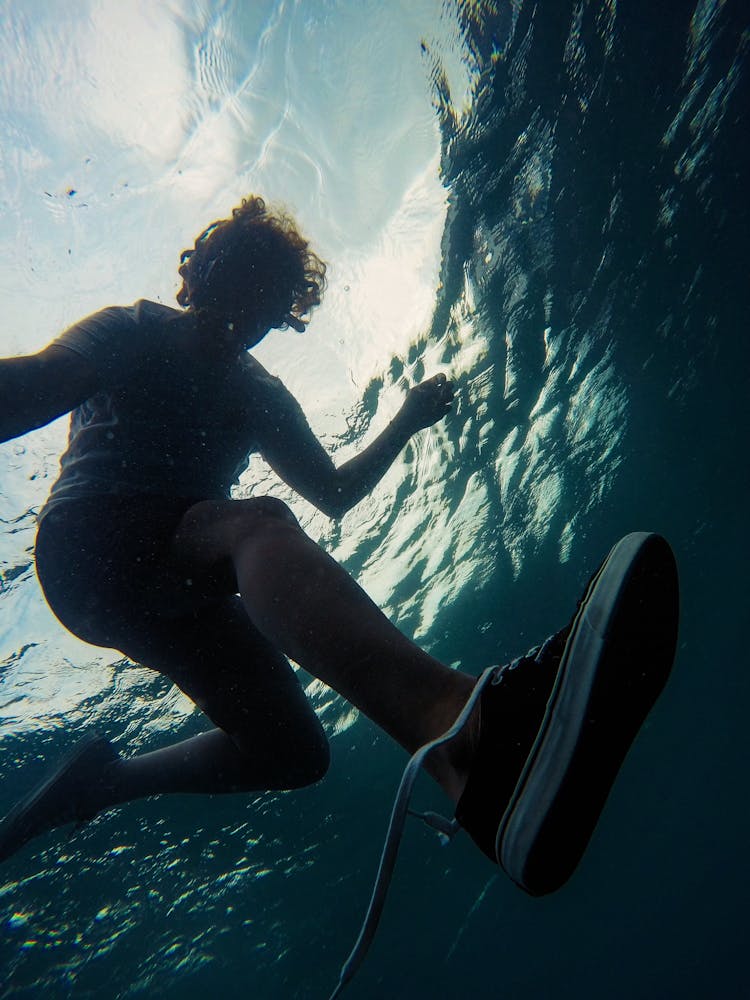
(597, 243)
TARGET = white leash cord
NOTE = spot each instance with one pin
(395, 832)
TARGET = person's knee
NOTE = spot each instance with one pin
(291, 764)
(310, 764)
(261, 516)
(212, 531)
(267, 509)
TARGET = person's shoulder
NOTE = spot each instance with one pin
(119, 339)
(265, 382)
(156, 327)
(142, 313)
(255, 370)
(145, 312)
(267, 386)
(269, 392)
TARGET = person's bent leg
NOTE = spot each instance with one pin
(268, 735)
(311, 609)
(104, 565)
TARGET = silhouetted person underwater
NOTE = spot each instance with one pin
(141, 549)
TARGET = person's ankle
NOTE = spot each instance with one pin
(450, 764)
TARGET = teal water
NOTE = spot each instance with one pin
(549, 202)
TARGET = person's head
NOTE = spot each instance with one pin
(253, 271)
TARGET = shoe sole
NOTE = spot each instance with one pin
(616, 662)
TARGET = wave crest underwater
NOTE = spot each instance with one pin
(547, 201)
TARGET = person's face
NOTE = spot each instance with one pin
(247, 325)
(246, 311)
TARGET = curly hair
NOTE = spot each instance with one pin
(257, 253)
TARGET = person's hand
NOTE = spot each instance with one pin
(427, 403)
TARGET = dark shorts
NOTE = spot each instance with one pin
(105, 565)
(107, 571)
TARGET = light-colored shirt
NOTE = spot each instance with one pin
(165, 421)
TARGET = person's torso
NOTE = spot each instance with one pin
(176, 425)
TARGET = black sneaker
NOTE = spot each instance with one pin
(556, 725)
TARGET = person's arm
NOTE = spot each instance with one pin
(296, 455)
(38, 388)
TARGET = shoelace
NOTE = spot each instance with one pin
(446, 828)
